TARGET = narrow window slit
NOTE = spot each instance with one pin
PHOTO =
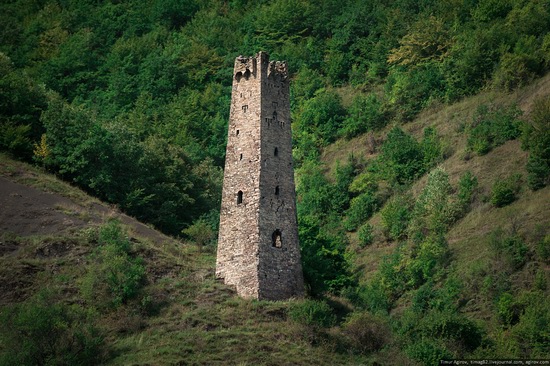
(240, 197)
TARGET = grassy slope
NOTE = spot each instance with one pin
(468, 238)
(501, 162)
(200, 321)
(197, 320)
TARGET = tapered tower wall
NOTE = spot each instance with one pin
(258, 249)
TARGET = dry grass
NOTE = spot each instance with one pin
(468, 237)
(195, 320)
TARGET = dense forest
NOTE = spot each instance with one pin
(129, 100)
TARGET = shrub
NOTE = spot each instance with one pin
(540, 282)
(466, 187)
(395, 216)
(200, 232)
(433, 211)
(423, 297)
(114, 275)
(364, 182)
(22, 100)
(495, 284)
(430, 257)
(402, 157)
(433, 330)
(409, 91)
(372, 296)
(451, 325)
(393, 276)
(513, 71)
(15, 139)
(427, 351)
(519, 67)
(361, 208)
(306, 83)
(537, 171)
(536, 138)
(365, 332)
(434, 316)
(510, 248)
(365, 114)
(442, 298)
(324, 261)
(493, 127)
(312, 313)
(321, 116)
(43, 331)
(365, 235)
(504, 191)
(531, 332)
(431, 147)
(508, 309)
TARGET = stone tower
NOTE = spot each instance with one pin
(258, 250)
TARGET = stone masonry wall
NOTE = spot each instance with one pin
(258, 250)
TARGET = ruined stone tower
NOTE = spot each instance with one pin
(258, 250)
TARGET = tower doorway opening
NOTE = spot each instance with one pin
(276, 239)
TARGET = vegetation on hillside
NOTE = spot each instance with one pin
(129, 100)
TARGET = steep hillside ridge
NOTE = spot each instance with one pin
(447, 119)
(51, 252)
(44, 220)
(34, 203)
(529, 211)
(495, 268)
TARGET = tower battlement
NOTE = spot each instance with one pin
(259, 65)
(258, 249)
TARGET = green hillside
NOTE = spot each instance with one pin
(104, 289)
(421, 134)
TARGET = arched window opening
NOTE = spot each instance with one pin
(247, 74)
(276, 152)
(238, 76)
(277, 191)
(276, 239)
(237, 133)
(240, 197)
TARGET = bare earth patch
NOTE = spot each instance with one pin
(27, 211)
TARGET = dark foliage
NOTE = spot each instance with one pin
(44, 331)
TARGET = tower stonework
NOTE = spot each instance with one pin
(258, 250)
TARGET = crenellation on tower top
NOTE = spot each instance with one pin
(245, 67)
(278, 69)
